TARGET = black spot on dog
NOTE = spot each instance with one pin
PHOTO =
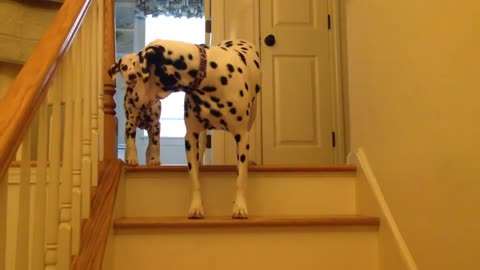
(242, 158)
(196, 99)
(190, 57)
(238, 138)
(224, 80)
(230, 68)
(229, 104)
(180, 64)
(196, 135)
(246, 86)
(189, 166)
(240, 70)
(248, 146)
(233, 111)
(222, 122)
(193, 73)
(256, 63)
(242, 57)
(198, 156)
(239, 118)
(215, 113)
(241, 93)
(177, 75)
(213, 64)
(257, 88)
(206, 104)
(209, 88)
(169, 52)
(215, 99)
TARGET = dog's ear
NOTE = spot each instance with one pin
(150, 55)
(144, 64)
(114, 69)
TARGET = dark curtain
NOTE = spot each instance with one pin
(172, 8)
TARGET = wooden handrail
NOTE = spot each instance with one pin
(31, 85)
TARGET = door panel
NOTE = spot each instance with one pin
(297, 114)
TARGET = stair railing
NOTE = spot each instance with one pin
(57, 123)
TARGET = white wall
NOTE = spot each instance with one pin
(23, 23)
(8, 73)
(413, 94)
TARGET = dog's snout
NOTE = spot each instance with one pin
(132, 77)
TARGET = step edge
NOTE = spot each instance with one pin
(228, 222)
(251, 168)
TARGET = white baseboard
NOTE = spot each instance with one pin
(395, 253)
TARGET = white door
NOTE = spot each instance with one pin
(297, 117)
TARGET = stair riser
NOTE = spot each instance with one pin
(253, 248)
(168, 194)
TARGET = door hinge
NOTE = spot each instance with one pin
(208, 26)
(208, 143)
(333, 139)
(329, 22)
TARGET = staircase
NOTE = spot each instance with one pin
(299, 218)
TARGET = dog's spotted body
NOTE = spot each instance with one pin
(221, 84)
(141, 111)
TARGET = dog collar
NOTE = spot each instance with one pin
(202, 71)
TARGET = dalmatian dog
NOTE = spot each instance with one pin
(142, 110)
(220, 84)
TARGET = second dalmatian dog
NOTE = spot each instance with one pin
(221, 85)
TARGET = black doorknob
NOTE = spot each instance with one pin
(270, 40)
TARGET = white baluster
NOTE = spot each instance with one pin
(86, 115)
(64, 246)
(100, 73)
(76, 143)
(93, 94)
(3, 221)
(39, 205)
(23, 221)
(66, 184)
(54, 169)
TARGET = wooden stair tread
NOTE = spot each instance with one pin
(251, 168)
(228, 222)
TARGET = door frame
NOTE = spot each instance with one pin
(223, 150)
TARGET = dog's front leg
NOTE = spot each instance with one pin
(191, 149)
(131, 114)
(240, 204)
(153, 149)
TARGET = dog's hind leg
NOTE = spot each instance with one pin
(240, 204)
(193, 156)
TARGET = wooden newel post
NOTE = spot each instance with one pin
(110, 122)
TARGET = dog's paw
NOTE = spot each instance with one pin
(239, 211)
(131, 162)
(196, 210)
(196, 213)
(154, 162)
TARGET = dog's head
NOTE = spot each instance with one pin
(129, 68)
